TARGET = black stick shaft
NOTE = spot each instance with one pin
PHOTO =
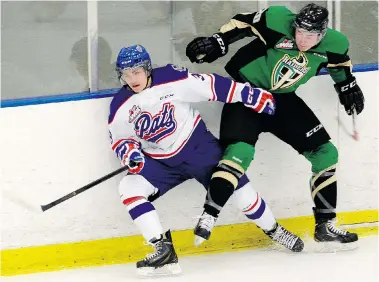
(82, 189)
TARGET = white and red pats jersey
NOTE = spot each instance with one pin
(160, 118)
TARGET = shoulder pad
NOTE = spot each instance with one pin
(168, 73)
(335, 42)
(280, 19)
(281, 9)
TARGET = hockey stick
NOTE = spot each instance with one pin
(355, 130)
(355, 134)
(82, 189)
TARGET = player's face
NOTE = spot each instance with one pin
(305, 40)
(136, 78)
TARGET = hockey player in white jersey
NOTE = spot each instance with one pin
(164, 142)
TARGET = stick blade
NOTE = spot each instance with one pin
(355, 130)
(20, 201)
(45, 207)
(356, 136)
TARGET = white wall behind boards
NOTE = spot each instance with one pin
(50, 150)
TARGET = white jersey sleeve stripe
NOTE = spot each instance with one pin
(214, 98)
(231, 92)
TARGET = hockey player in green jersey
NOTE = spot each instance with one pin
(288, 51)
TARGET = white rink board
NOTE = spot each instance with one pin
(50, 150)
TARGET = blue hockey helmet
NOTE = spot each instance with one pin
(133, 57)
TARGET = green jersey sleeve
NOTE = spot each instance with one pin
(339, 64)
(266, 24)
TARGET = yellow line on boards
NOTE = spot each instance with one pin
(225, 238)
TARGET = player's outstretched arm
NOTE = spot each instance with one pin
(209, 49)
(213, 87)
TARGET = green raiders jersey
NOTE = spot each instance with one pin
(272, 61)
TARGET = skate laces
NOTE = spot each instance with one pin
(206, 221)
(158, 249)
(284, 237)
(334, 229)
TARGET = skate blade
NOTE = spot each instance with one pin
(171, 269)
(198, 240)
(277, 247)
(333, 247)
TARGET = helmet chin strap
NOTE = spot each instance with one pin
(320, 36)
(148, 82)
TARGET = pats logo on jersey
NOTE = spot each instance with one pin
(286, 44)
(157, 127)
(133, 113)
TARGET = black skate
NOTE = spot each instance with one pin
(282, 236)
(163, 261)
(204, 228)
(326, 231)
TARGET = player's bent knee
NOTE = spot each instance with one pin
(134, 191)
(228, 170)
(134, 187)
(322, 158)
(240, 153)
(236, 160)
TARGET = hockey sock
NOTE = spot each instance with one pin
(324, 181)
(261, 214)
(324, 193)
(231, 168)
(219, 192)
(145, 217)
(254, 207)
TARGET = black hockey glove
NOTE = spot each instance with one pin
(206, 49)
(350, 95)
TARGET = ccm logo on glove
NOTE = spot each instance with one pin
(221, 43)
(259, 100)
(346, 87)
